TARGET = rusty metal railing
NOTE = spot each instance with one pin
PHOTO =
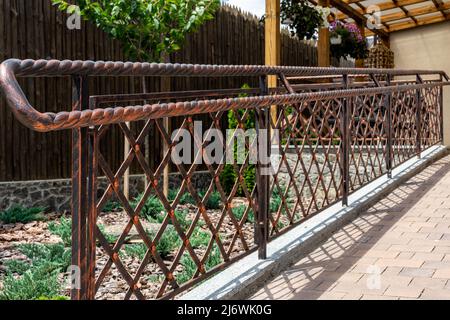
(339, 129)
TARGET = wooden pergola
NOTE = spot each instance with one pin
(395, 15)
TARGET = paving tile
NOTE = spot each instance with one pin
(399, 263)
(377, 297)
(403, 292)
(442, 274)
(417, 272)
(428, 283)
(435, 294)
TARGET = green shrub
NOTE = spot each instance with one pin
(20, 214)
(199, 238)
(276, 199)
(156, 278)
(135, 250)
(111, 206)
(213, 201)
(189, 266)
(172, 194)
(189, 269)
(51, 256)
(214, 258)
(187, 198)
(239, 211)
(54, 298)
(275, 203)
(16, 266)
(63, 229)
(228, 176)
(181, 217)
(152, 207)
(35, 283)
(168, 242)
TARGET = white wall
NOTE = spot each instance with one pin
(426, 47)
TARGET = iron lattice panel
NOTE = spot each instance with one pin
(308, 177)
(404, 126)
(368, 138)
(229, 236)
(431, 116)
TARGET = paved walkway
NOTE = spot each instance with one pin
(399, 249)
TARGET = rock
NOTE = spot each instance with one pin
(29, 225)
(7, 237)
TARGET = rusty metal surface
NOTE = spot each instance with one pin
(334, 138)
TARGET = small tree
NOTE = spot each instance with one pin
(149, 30)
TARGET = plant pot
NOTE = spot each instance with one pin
(336, 40)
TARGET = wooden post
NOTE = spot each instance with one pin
(166, 87)
(272, 44)
(323, 46)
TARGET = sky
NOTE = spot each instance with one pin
(256, 7)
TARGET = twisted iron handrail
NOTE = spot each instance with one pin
(44, 122)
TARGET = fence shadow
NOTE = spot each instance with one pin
(372, 226)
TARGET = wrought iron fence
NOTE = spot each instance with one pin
(337, 130)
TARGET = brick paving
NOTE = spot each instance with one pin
(399, 249)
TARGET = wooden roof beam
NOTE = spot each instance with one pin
(420, 22)
(385, 6)
(413, 12)
(405, 11)
(439, 4)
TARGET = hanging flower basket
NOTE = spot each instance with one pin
(303, 19)
(347, 41)
(336, 39)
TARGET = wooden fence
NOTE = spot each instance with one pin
(34, 29)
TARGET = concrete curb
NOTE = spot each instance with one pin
(246, 276)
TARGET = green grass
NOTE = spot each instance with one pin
(19, 214)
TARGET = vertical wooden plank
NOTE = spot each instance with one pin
(272, 43)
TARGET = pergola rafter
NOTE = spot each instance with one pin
(396, 15)
(416, 12)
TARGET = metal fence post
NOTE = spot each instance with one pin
(345, 136)
(418, 118)
(92, 211)
(262, 177)
(389, 131)
(441, 110)
(80, 151)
